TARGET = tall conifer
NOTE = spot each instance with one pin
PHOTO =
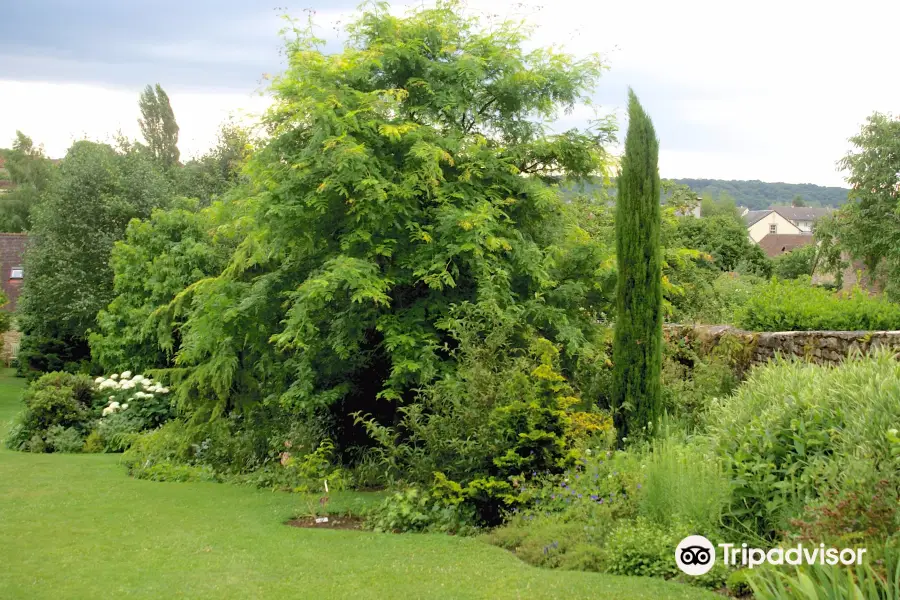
(637, 354)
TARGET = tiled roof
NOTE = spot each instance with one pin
(779, 243)
(801, 213)
(755, 215)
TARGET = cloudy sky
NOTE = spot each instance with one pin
(766, 90)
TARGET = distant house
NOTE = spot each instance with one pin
(788, 227)
(761, 223)
(12, 271)
(804, 217)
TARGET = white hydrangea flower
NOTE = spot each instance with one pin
(126, 375)
(165, 390)
(147, 383)
(112, 397)
(124, 406)
(127, 385)
(114, 376)
(107, 411)
(99, 379)
(138, 378)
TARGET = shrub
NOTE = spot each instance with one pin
(796, 263)
(416, 510)
(798, 306)
(147, 401)
(117, 431)
(64, 439)
(691, 381)
(54, 400)
(794, 430)
(641, 548)
(683, 483)
(492, 425)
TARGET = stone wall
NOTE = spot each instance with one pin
(817, 346)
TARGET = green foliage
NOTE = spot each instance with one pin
(69, 278)
(158, 258)
(622, 512)
(637, 357)
(219, 170)
(64, 439)
(114, 433)
(641, 548)
(500, 418)
(58, 402)
(738, 584)
(684, 483)
(798, 306)
(722, 206)
(158, 126)
(407, 174)
(693, 379)
(757, 195)
(794, 429)
(830, 582)
(413, 510)
(722, 236)
(30, 173)
(867, 227)
(796, 263)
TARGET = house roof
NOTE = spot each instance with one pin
(779, 243)
(12, 252)
(754, 215)
(801, 213)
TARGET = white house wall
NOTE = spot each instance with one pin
(762, 228)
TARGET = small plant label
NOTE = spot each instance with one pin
(321, 519)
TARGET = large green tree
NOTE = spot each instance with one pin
(637, 346)
(98, 191)
(869, 226)
(158, 125)
(218, 170)
(410, 173)
(31, 173)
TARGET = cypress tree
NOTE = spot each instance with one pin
(637, 356)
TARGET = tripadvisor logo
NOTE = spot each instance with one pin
(696, 555)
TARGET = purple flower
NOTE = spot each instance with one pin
(579, 495)
(638, 486)
(594, 497)
(553, 496)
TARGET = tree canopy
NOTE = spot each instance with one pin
(158, 125)
(410, 174)
(30, 173)
(99, 189)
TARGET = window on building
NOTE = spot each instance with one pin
(15, 273)
(773, 228)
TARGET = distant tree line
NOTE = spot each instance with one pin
(755, 195)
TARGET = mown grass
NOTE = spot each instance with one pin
(75, 526)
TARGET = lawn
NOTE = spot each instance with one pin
(76, 526)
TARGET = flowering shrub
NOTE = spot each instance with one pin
(147, 401)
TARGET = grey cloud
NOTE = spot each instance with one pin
(188, 43)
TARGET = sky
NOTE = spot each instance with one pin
(767, 90)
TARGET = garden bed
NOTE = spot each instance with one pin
(333, 522)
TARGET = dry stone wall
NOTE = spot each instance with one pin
(817, 346)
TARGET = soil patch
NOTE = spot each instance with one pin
(333, 522)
